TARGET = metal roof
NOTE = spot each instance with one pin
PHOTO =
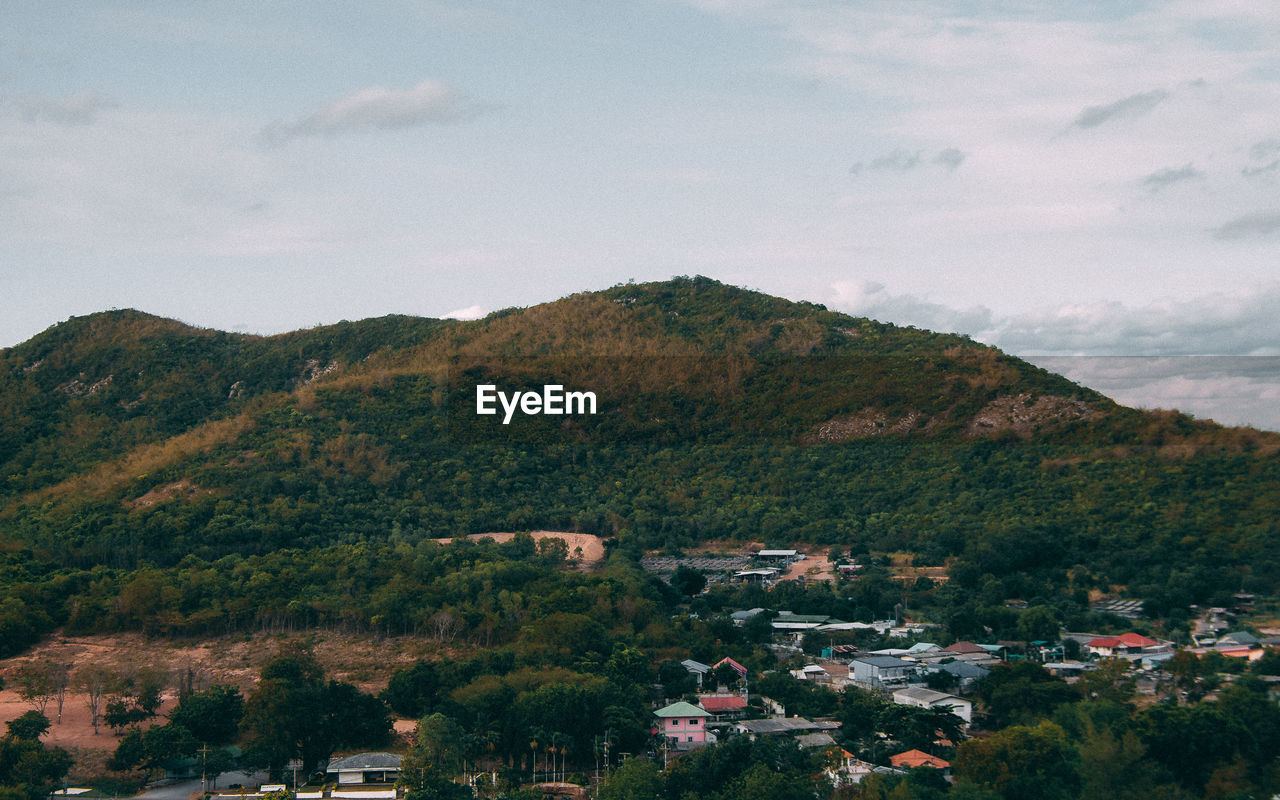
(363, 761)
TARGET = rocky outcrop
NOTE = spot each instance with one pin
(1026, 415)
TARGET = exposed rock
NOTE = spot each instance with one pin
(178, 490)
(312, 371)
(865, 423)
(76, 387)
(1025, 415)
(237, 391)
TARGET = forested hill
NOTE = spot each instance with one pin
(130, 440)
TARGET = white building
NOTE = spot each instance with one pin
(920, 697)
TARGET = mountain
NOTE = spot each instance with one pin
(133, 442)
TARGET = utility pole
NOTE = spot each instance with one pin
(204, 760)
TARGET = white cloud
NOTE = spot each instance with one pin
(80, 108)
(1245, 323)
(376, 107)
(1229, 390)
(470, 312)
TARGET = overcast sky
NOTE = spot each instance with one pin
(1096, 179)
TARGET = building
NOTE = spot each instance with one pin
(781, 556)
(697, 669)
(366, 768)
(683, 724)
(1126, 645)
(918, 758)
(881, 672)
(787, 621)
(920, 697)
(782, 726)
(844, 768)
(965, 673)
(723, 707)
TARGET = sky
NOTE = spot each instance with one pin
(1094, 185)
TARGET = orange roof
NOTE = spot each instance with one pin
(918, 758)
(1123, 640)
(715, 704)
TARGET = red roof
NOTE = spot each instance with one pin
(720, 703)
(964, 647)
(918, 758)
(1123, 640)
(741, 669)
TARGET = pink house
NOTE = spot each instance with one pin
(683, 724)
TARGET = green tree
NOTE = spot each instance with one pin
(1038, 624)
(636, 779)
(285, 716)
(1023, 692)
(213, 715)
(1021, 763)
(688, 581)
(30, 726)
(29, 768)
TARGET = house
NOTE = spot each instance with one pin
(786, 621)
(762, 575)
(844, 768)
(777, 555)
(821, 739)
(881, 672)
(740, 617)
(1126, 645)
(920, 697)
(782, 726)
(366, 768)
(965, 673)
(848, 570)
(1238, 639)
(963, 647)
(683, 724)
(697, 669)
(723, 707)
(918, 758)
(811, 672)
(741, 670)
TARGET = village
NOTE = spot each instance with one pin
(926, 694)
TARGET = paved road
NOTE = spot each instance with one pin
(182, 790)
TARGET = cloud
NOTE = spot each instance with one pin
(949, 158)
(376, 107)
(1265, 169)
(871, 299)
(1132, 106)
(1166, 177)
(901, 161)
(1233, 390)
(1265, 149)
(1246, 323)
(1260, 223)
(80, 108)
(470, 312)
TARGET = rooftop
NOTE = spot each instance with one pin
(363, 761)
(680, 709)
(918, 758)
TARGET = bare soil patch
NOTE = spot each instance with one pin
(592, 546)
(366, 661)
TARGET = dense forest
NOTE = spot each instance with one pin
(191, 483)
(153, 476)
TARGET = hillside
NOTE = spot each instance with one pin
(135, 445)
